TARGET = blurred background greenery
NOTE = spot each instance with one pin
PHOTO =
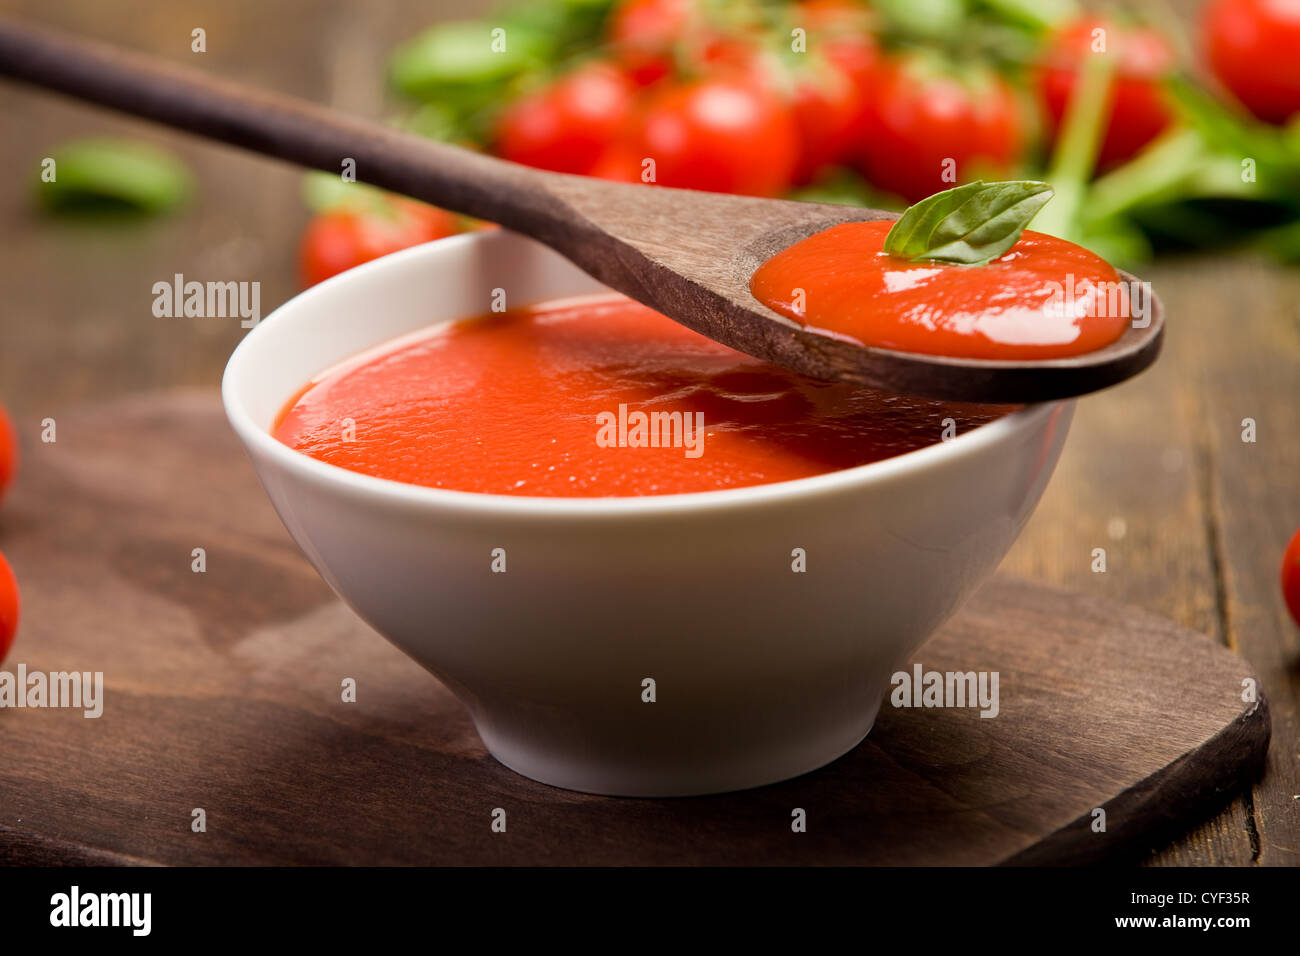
(1157, 131)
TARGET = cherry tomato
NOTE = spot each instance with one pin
(341, 239)
(840, 32)
(8, 607)
(620, 164)
(721, 134)
(1139, 107)
(1291, 577)
(828, 111)
(645, 33)
(928, 127)
(8, 451)
(569, 125)
(739, 54)
(1254, 49)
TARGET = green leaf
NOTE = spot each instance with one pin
(329, 192)
(435, 121)
(107, 175)
(1074, 158)
(1283, 242)
(839, 186)
(1037, 14)
(1224, 127)
(1118, 241)
(460, 55)
(925, 21)
(970, 225)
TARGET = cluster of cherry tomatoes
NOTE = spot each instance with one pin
(765, 98)
(678, 101)
(8, 586)
(718, 111)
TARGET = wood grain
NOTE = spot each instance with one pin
(1252, 510)
(1200, 518)
(687, 254)
(223, 693)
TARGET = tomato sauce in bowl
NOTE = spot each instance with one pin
(771, 615)
(596, 396)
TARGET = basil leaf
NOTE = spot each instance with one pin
(970, 225)
(114, 176)
(927, 21)
(1034, 14)
(458, 57)
(329, 192)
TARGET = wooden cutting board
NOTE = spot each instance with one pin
(223, 693)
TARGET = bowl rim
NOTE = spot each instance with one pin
(258, 441)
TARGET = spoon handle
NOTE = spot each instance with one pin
(284, 127)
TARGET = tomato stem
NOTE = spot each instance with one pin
(1075, 156)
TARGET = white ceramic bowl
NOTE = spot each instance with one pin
(760, 673)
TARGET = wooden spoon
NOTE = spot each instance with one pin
(687, 254)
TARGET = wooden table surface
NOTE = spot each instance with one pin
(1192, 518)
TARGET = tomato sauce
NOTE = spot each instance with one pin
(1045, 298)
(552, 401)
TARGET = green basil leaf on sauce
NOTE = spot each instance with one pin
(970, 225)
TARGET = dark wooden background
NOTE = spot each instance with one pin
(1193, 520)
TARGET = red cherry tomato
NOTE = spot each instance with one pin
(644, 34)
(8, 451)
(1139, 107)
(8, 607)
(737, 54)
(927, 125)
(721, 134)
(828, 111)
(841, 33)
(819, 15)
(1254, 49)
(619, 164)
(1291, 577)
(568, 126)
(859, 60)
(341, 239)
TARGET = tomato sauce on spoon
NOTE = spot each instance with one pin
(1045, 298)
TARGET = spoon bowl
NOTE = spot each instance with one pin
(687, 279)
